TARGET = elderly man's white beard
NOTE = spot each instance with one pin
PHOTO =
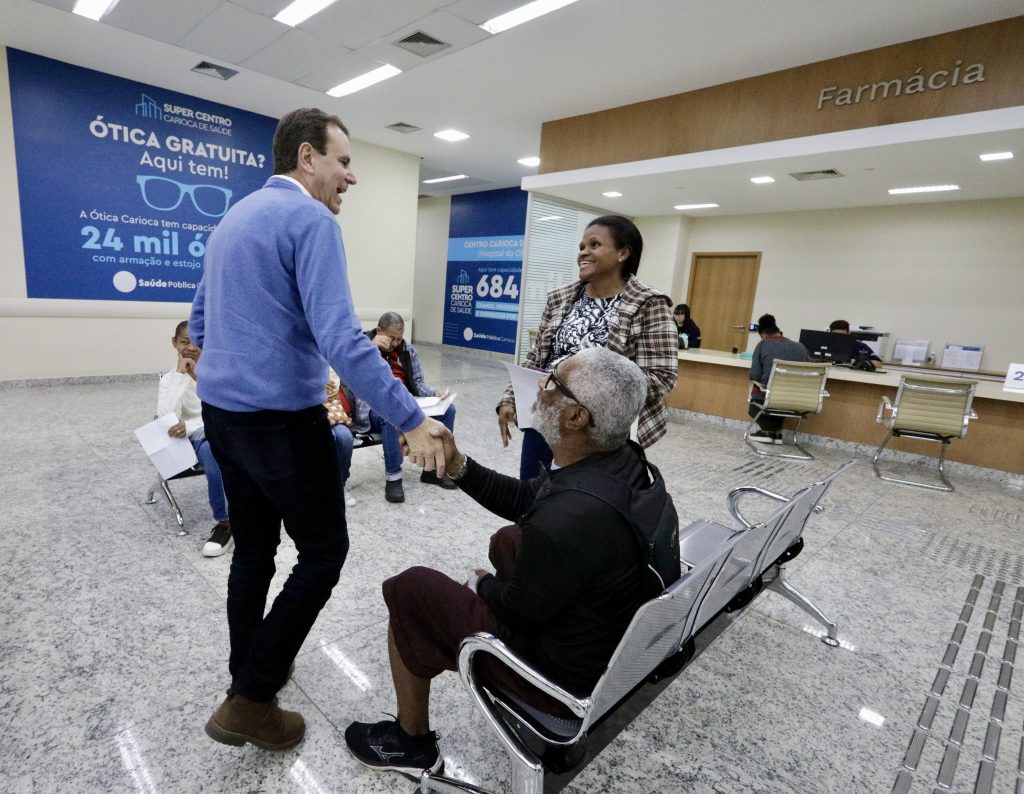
(545, 422)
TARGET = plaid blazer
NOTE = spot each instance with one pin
(643, 331)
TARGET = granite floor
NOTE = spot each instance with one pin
(113, 640)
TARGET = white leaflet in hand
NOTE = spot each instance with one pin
(439, 405)
(427, 402)
(524, 387)
(170, 455)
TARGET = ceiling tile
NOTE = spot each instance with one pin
(161, 21)
(356, 23)
(268, 8)
(441, 25)
(479, 11)
(233, 34)
(296, 54)
(63, 5)
(330, 75)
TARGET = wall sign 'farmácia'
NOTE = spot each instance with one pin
(915, 84)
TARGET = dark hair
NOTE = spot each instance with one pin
(182, 326)
(682, 308)
(839, 325)
(626, 235)
(305, 125)
(766, 324)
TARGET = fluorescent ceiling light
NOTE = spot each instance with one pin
(694, 206)
(93, 9)
(517, 16)
(762, 180)
(364, 80)
(549, 218)
(612, 194)
(897, 191)
(299, 11)
(451, 135)
(529, 161)
(997, 156)
(443, 179)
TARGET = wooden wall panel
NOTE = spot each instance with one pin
(784, 104)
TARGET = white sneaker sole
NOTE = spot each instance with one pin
(215, 549)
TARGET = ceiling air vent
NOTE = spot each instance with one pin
(402, 127)
(422, 44)
(807, 176)
(213, 70)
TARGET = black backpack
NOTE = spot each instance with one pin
(649, 511)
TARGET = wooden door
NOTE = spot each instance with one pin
(721, 297)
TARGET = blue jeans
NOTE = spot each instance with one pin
(535, 455)
(343, 442)
(214, 481)
(389, 438)
(277, 466)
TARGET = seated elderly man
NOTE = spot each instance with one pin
(569, 575)
(405, 365)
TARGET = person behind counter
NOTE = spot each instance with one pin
(773, 345)
(689, 331)
(860, 350)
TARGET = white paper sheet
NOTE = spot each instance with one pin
(910, 351)
(435, 406)
(170, 455)
(524, 386)
(966, 357)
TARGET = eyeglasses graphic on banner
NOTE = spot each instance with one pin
(161, 193)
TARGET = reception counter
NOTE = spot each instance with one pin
(714, 382)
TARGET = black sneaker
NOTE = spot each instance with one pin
(763, 437)
(219, 542)
(384, 745)
(431, 478)
(393, 491)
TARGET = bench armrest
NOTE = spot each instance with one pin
(733, 501)
(483, 642)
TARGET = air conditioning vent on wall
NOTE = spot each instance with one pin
(807, 176)
(422, 44)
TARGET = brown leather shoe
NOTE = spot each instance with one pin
(239, 720)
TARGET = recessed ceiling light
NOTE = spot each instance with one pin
(443, 179)
(896, 191)
(517, 16)
(997, 156)
(612, 194)
(451, 135)
(694, 206)
(93, 9)
(549, 218)
(299, 11)
(529, 161)
(762, 180)
(365, 80)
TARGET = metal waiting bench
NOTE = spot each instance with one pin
(729, 567)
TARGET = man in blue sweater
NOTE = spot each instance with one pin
(273, 304)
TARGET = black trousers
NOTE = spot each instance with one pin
(771, 424)
(277, 466)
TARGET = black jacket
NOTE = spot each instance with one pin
(580, 573)
(403, 358)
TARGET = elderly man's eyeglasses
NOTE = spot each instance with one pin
(552, 382)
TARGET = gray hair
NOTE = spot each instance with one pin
(390, 320)
(611, 386)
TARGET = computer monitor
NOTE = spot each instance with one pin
(827, 346)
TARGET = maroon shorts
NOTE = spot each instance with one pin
(431, 614)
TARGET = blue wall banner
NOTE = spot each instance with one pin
(121, 183)
(485, 267)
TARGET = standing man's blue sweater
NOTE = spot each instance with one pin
(274, 302)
